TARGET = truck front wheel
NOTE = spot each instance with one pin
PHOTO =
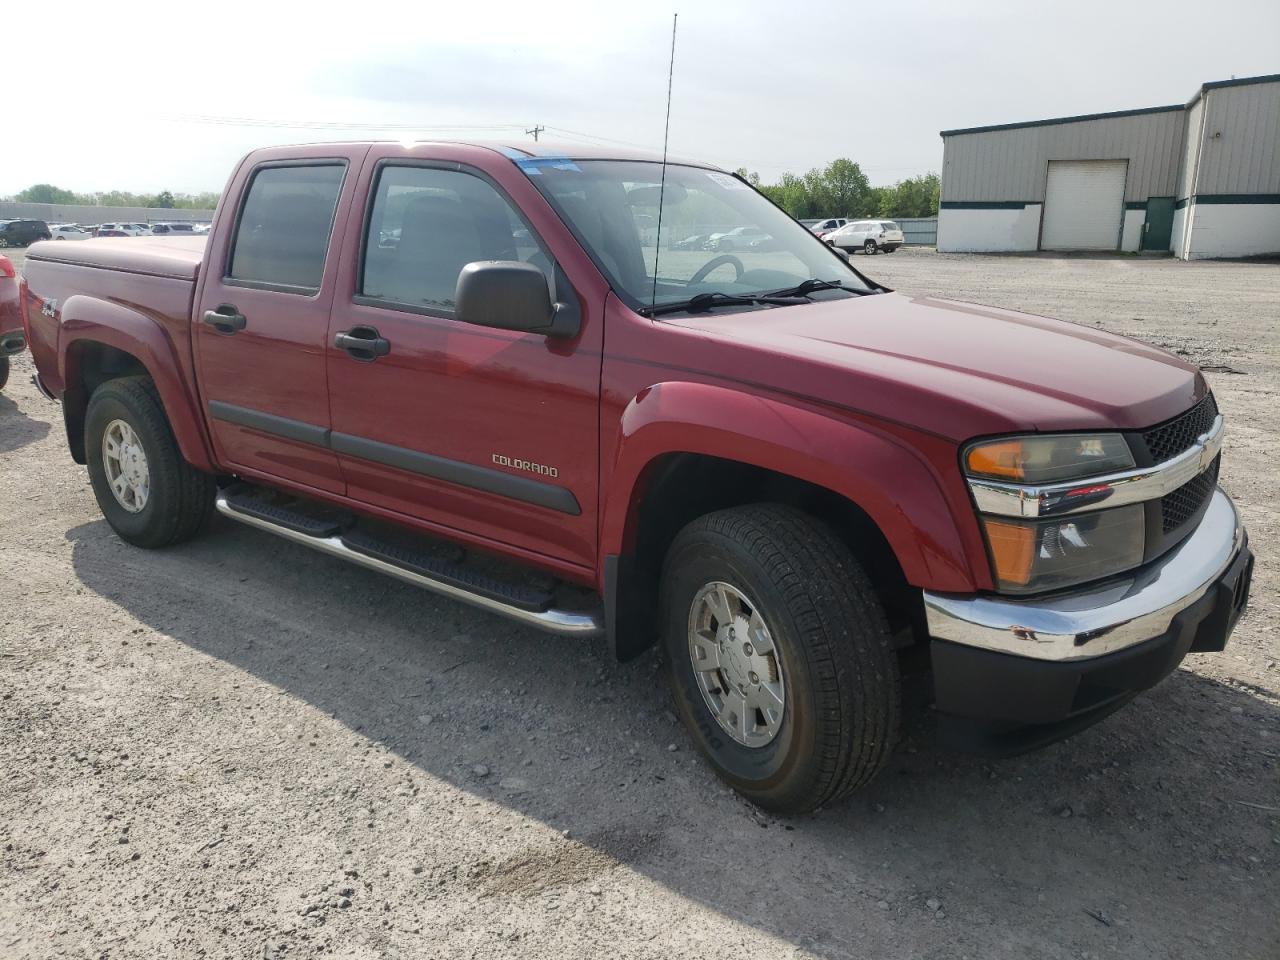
(149, 494)
(779, 656)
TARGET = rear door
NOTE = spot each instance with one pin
(263, 312)
(486, 431)
(1157, 231)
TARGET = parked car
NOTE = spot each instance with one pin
(68, 231)
(739, 238)
(791, 478)
(823, 227)
(12, 335)
(123, 230)
(695, 241)
(22, 233)
(869, 236)
(180, 229)
(200, 229)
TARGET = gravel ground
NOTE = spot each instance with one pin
(238, 748)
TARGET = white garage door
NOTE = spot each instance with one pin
(1084, 205)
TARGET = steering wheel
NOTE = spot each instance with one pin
(720, 261)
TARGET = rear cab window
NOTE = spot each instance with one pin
(283, 229)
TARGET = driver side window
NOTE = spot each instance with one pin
(426, 225)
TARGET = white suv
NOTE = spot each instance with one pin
(869, 236)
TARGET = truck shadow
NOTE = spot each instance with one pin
(16, 428)
(1106, 842)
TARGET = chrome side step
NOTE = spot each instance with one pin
(568, 623)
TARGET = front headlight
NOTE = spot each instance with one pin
(1029, 556)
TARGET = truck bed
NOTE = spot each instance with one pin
(176, 257)
(152, 277)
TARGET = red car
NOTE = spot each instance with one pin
(12, 338)
(793, 480)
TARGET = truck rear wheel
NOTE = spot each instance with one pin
(148, 493)
(4, 371)
(779, 656)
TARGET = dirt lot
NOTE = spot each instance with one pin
(238, 748)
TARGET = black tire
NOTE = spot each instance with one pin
(837, 660)
(869, 248)
(4, 371)
(180, 497)
(890, 249)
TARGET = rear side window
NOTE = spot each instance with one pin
(426, 225)
(283, 232)
(890, 225)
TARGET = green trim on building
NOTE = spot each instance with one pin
(987, 204)
(1237, 198)
(1057, 120)
(1246, 199)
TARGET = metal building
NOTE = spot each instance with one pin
(1200, 179)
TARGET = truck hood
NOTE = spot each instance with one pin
(956, 369)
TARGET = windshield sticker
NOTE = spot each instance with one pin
(533, 166)
(726, 181)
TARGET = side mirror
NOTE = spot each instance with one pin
(511, 295)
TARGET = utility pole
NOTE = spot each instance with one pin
(537, 129)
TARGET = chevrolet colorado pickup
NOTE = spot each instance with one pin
(490, 372)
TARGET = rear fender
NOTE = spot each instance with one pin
(892, 482)
(87, 320)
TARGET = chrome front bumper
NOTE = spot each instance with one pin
(1099, 620)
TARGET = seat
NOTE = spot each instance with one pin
(437, 239)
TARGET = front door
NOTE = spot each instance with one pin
(262, 319)
(1157, 232)
(475, 429)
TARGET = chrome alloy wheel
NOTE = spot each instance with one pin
(126, 464)
(736, 664)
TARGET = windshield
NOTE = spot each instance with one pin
(717, 235)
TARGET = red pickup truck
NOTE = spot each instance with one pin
(505, 374)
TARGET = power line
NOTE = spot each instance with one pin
(537, 129)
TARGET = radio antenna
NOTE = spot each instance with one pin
(662, 184)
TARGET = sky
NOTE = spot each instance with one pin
(147, 96)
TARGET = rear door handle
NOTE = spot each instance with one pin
(226, 319)
(362, 343)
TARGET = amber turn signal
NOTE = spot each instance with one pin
(1002, 459)
(1013, 550)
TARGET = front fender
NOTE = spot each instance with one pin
(904, 487)
(90, 320)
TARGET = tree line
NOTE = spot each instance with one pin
(841, 189)
(48, 193)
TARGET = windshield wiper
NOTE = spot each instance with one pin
(702, 302)
(813, 284)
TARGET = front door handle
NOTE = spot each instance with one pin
(362, 343)
(226, 319)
